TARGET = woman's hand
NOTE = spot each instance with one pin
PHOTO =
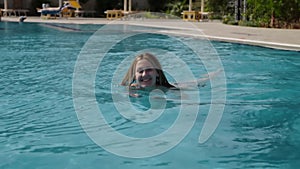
(135, 86)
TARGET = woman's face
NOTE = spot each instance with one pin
(145, 73)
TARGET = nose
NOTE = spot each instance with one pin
(145, 72)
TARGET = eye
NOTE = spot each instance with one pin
(145, 70)
(149, 70)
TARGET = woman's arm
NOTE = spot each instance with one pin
(201, 82)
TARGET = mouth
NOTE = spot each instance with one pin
(145, 79)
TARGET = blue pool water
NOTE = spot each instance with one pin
(39, 128)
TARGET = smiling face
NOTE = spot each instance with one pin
(145, 73)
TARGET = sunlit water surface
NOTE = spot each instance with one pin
(260, 127)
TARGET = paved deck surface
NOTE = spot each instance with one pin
(275, 38)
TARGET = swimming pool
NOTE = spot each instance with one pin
(39, 128)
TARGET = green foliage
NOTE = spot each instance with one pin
(263, 13)
(219, 6)
(176, 8)
(150, 15)
(227, 19)
(215, 16)
(248, 23)
(274, 13)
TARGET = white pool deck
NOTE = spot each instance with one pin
(287, 39)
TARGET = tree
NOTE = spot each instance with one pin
(175, 8)
(219, 6)
(274, 13)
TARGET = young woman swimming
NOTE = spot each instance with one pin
(146, 72)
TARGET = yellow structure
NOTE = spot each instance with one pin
(194, 15)
(114, 14)
(204, 16)
(66, 13)
(191, 15)
(73, 3)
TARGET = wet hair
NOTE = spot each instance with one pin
(161, 79)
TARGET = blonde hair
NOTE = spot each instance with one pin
(161, 80)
